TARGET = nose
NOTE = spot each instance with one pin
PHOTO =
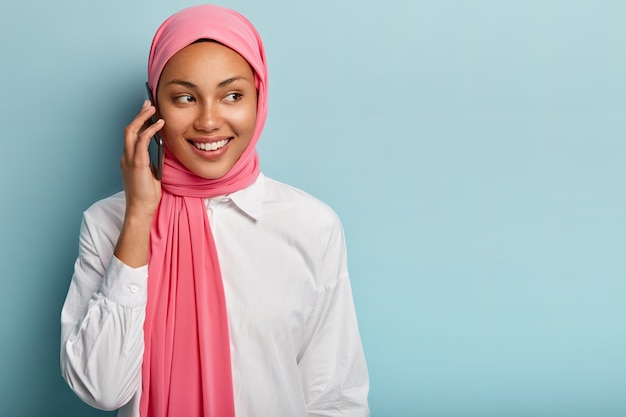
(209, 117)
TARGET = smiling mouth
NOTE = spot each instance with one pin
(212, 146)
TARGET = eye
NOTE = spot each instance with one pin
(184, 99)
(233, 97)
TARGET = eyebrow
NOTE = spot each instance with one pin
(230, 81)
(183, 83)
(189, 84)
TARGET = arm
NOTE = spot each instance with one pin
(103, 315)
(331, 361)
(102, 326)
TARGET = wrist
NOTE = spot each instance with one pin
(138, 219)
(133, 244)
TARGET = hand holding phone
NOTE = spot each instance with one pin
(155, 149)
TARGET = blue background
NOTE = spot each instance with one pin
(475, 151)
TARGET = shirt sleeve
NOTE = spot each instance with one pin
(102, 324)
(331, 362)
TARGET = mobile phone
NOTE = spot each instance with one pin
(156, 143)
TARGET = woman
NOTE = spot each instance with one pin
(215, 291)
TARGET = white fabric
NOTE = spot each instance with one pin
(295, 344)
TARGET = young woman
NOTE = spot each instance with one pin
(215, 291)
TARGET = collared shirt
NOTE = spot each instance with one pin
(294, 339)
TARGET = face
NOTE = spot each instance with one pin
(207, 97)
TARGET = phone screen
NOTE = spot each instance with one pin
(156, 143)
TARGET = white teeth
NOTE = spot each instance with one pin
(211, 146)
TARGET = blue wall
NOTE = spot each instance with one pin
(475, 150)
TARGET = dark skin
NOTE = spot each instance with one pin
(142, 189)
(207, 94)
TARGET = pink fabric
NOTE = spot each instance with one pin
(186, 366)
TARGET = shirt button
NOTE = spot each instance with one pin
(133, 289)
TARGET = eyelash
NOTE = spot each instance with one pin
(185, 99)
(236, 96)
(182, 99)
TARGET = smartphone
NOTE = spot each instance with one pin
(156, 143)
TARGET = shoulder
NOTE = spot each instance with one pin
(308, 225)
(299, 217)
(104, 218)
(293, 203)
(110, 208)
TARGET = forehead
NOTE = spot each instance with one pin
(206, 60)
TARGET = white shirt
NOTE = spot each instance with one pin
(294, 339)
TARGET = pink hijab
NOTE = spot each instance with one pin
(186, 367)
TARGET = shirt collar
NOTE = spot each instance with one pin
(250, 199)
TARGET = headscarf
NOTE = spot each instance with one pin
(186, 367)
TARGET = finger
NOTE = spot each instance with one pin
(143, 141)
(140, 155)
(140, 120)
(134, 128)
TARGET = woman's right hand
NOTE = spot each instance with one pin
(142, 189)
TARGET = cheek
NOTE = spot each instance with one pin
(246, 119)
(172, 135)
(168, 131)
(174, 126)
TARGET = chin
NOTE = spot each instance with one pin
(209, 170)
(213, 174)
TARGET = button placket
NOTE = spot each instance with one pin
(209, 210)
